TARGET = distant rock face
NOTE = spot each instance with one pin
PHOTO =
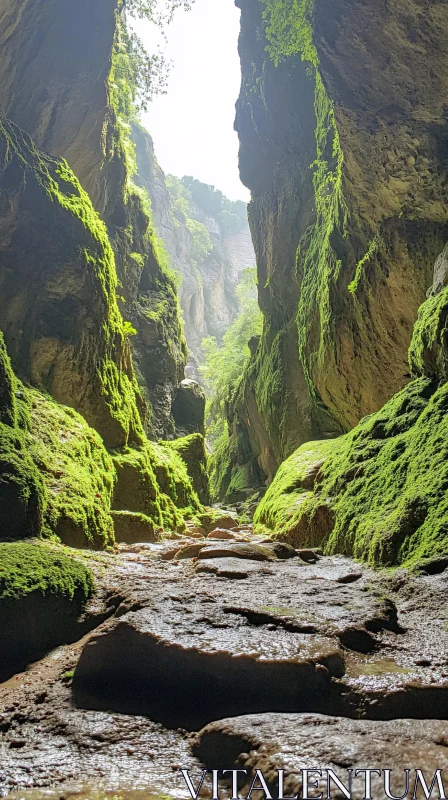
(207, 292)
(349, 209)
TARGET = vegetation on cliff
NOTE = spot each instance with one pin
(154, 481)
(377, 493)
(61, 295)
(223, 372)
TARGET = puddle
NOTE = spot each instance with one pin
(383, 666)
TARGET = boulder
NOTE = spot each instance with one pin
(42, 594)
(293, 742)
(189, 407)
(131, 527)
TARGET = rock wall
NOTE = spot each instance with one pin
(54, 84)
(59, 312)
(207, 291)
(343, 145)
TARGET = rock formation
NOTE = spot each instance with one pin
(82, 379)
(54, 85)
(342, 145)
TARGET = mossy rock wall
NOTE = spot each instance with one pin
(42, 594)
(153, 481)
(378, 493)
(191, 450)
(56, 63)
(59, 313)
(341, 143)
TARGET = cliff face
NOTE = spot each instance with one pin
(54, 84)
(54, 71)
(343, 145)
(89, 311)
(207, 291)
(59, 313)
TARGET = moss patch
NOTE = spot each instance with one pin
(384, 485)
(27, 568)
(78, 472)
(192, 451)
(59, 291)
(289, 510)
(8, 387)
(153, 481)
(41, 597)
(428, 352)
(22, 490)
(131, 527)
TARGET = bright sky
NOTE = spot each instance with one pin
(192, 126)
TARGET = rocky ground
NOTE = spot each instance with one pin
(201, 630)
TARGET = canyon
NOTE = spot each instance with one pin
(292, 610)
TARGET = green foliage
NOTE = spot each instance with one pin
(182, 202)
(225, 363)
(223, 368)
(78, 473)
(160, 13)
(288, 30)
(27, 568)
(230, 214)
(384, 484)
(136, 76)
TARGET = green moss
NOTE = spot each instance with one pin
(289, 32)
(384, 484)
(428, 352)
(27, 569)
(78, 473)
(153, 480)
(289, 510)
(22, 490)
(8, 388)
(354, 285)
(191, 450)
(116, 381)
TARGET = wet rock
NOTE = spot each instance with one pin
(237, 550)
(215, 518)
(310, 556)
(132, 527)
(292, 742)
(222, 533)
(184, 666)
(189, 551)
(350, 577)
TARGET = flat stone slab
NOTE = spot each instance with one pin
(186, 664)
(294, 742)
(198, 640)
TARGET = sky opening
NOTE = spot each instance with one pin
(192, 125)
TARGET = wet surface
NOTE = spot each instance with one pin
(292, 742)
(312, 636)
